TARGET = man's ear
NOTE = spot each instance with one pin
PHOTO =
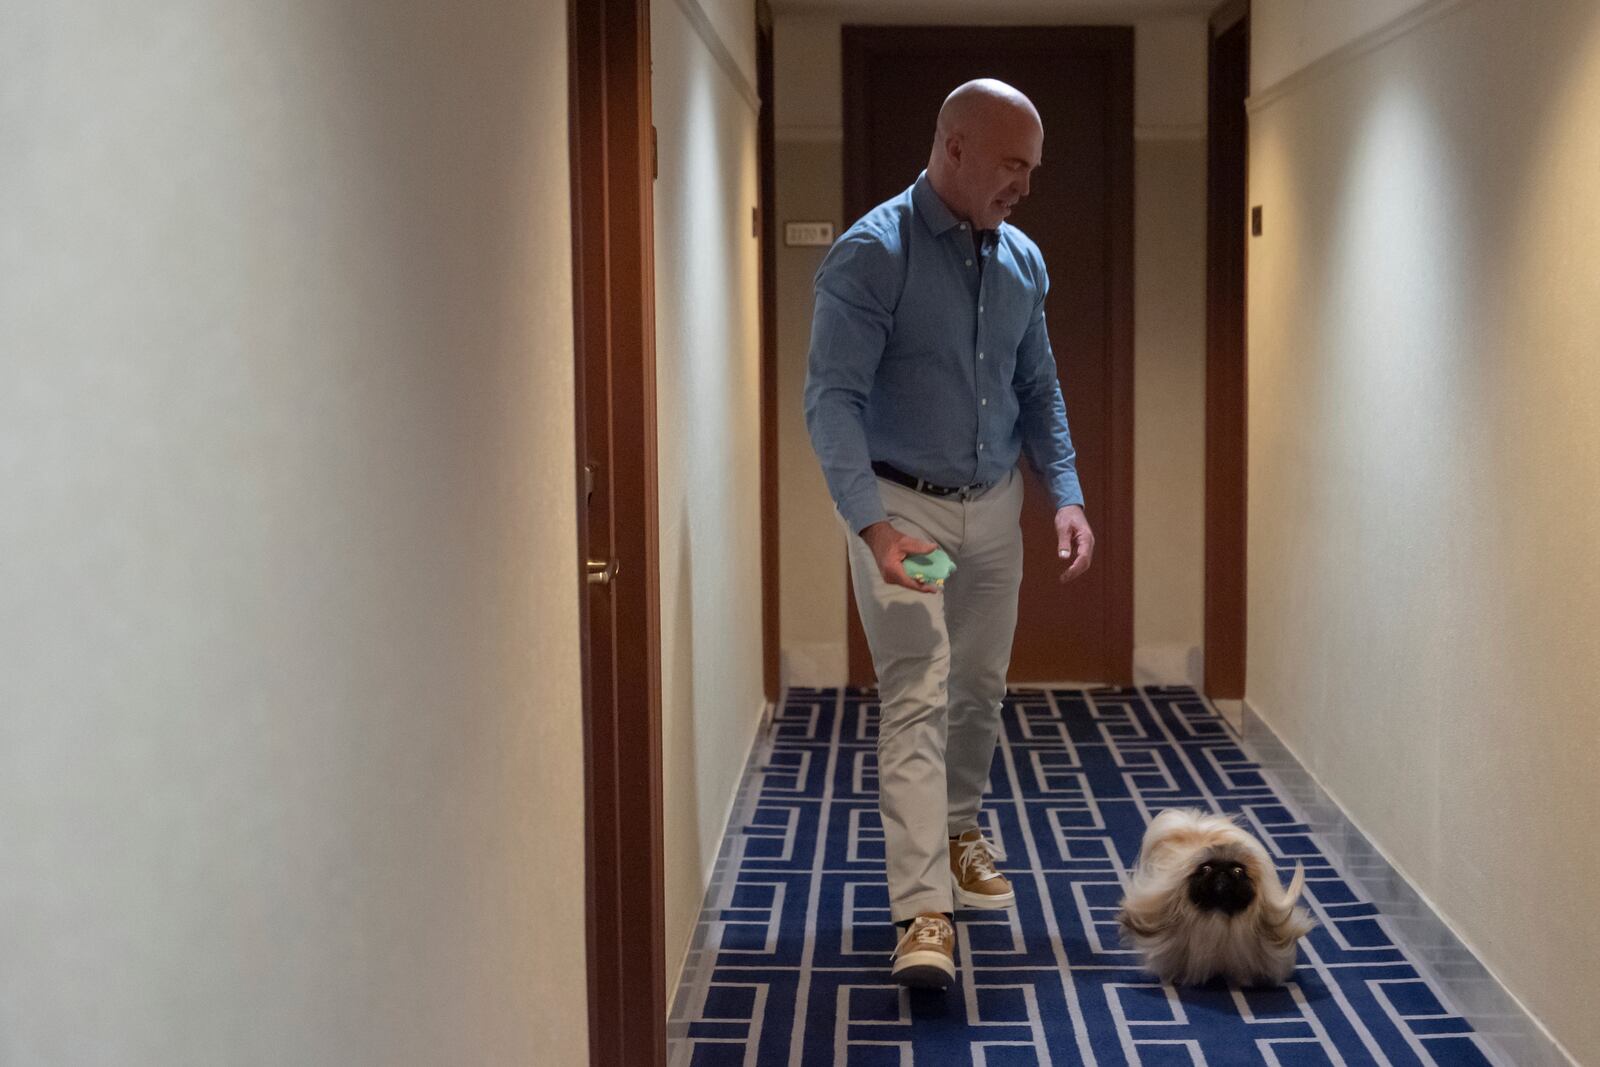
(953, 147)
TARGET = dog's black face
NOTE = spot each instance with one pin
(1221, 885)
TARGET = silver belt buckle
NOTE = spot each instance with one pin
(968, 492)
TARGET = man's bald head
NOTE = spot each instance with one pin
(985, 148)
(982, 102)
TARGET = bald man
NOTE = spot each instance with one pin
(930, 375)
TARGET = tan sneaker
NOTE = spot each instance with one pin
(977, 883)
(925, 958)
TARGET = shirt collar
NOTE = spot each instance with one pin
(936, 215)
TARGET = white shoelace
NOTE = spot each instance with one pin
(980, 856)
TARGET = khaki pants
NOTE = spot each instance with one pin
(941, 663)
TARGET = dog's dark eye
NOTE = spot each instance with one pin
(1205, 868)
(1238, 872)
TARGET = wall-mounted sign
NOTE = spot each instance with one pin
(808, 233)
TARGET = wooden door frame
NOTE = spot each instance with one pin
(766, 214)
(612, 169)
(1227, 448)
(1116, 529)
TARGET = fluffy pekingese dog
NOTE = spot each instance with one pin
(1205, 900)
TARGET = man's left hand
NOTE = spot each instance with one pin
(1074, 541)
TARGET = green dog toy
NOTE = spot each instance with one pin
(932, 568)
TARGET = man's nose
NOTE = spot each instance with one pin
(1022, 184)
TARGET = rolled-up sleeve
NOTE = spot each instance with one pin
(1042, 414)
(857, 288)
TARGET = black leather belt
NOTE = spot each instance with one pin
(911, 481)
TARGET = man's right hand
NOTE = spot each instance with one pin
(890, 548)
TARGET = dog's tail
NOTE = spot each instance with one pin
(1297, 885)
(1286, 923)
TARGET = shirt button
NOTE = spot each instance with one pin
(969, 262)
(980, 309)
(963, 225)
(980, 446)
(985, 401)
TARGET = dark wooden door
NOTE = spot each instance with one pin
(766, 217)
(1080, 213)
(1226, 165)
(619, 548)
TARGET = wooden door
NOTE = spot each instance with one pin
(766, 230)
(1226, 452)
(614, 323)
(1080, 212)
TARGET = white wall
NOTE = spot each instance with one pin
(290, 737)
(811, 575)
(1301, 32)
(1424, 605)
(708, 411)
(1169, 336)
(1169, 348)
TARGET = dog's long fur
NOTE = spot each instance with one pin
(1180, 941)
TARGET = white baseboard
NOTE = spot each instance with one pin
(689, 980)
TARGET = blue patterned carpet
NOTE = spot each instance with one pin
(799, 933)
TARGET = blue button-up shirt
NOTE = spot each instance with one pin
(932, 356)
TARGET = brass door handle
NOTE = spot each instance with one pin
(600, 571)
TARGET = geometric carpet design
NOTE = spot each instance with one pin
(798, 938)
